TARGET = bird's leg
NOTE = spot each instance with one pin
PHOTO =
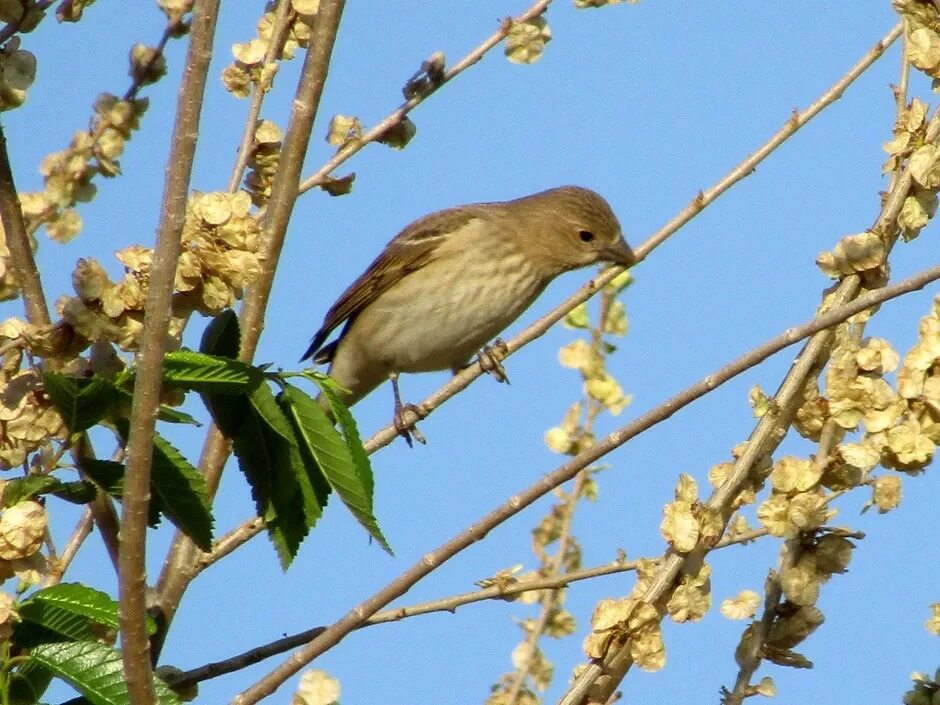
(491, 357)
(405, 430)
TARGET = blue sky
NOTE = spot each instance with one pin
(646, 104)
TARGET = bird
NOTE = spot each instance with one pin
(451, 281)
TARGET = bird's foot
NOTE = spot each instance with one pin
(409, 430)
(491, 357)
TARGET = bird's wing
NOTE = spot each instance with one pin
(413, 248)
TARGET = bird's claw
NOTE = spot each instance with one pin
(409, 430)
(491, 357)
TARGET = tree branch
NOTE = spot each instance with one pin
(18, 240)
(396, 116)
(462, 380)
(136, 494)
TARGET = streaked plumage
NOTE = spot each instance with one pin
(452, 281)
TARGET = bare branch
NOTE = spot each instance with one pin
(462, 380)
(446, 604)
(82, 531)
(18, 240)
(498, 591)
(136, 494)
(396, 116)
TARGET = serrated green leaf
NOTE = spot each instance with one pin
(181, 490)
(274, 470)
(208, 373)
(107, 474)
(336, 455)
(263, 401)
(46, 624)
(22, 488)
(171, 414)
(95, 670)
(78, 599)
(82, 401)
(350, 431)
(221, 336)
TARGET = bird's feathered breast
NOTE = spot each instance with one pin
(412, 249)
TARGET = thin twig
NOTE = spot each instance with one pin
(178, 568)
(749, 658)
(136, 491)
(228, 543)
(519, 501)
(900, 91)
(101, 507)
(82, 531)
(396, 116)
(550, 599)
(460, 381)
(278, 35)
(450, 604)
(12, 28)
(19, 243)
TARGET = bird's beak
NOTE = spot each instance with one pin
(619, 253)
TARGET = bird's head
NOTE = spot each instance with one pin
(571, 227)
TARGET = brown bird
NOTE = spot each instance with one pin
(451, 281)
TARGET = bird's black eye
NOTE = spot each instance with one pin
(585, 235)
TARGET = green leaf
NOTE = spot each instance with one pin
(82, 401)
(66, 612)
(171, 414)
(221, 336)
(181, 491)
(79, 599)
(107, 474)
(28, 682)
(22, 488)
(341, 459)
(95, 670)
(273, 468)
(208, 373)
(347, 424)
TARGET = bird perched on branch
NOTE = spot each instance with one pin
(451, 281)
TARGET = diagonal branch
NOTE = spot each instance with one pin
(396, 116)
(519, 501)
(18, 240)
(136, 494)
(462, 380)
